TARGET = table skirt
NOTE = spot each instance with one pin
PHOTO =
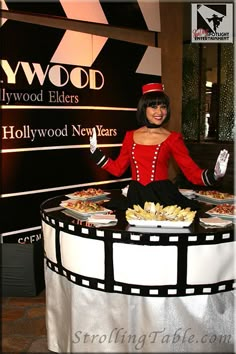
(81, 319)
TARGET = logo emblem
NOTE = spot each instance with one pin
(212, 23)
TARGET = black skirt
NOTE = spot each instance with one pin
(163, 192)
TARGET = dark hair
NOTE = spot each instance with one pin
(149, 99)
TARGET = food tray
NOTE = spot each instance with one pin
(156, 223)
(85, 214)
(76, 212)
(161, 230)
(221, 215)
(90, 198)
(214, 200)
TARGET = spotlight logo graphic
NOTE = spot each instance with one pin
(212, 23)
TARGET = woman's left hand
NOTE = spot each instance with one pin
(221, 164)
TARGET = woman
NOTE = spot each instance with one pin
(147, 151)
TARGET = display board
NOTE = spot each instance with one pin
(56, 86)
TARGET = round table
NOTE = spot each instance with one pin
(128, 289)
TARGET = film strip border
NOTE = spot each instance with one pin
(150, 291)
(86, 230)
(109, 237)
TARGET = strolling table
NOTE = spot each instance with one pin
(116, 287)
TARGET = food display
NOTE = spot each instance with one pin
(223, 210)
(157, 215)
(214, 196)
(88, 194)
(83, 207)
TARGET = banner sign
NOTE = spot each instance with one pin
(56, 86)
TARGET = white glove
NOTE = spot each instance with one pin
(221, 164)
(93, 141)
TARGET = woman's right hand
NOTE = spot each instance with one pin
(93, 141)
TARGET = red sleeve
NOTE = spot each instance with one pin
(181, 155)
(119, 166)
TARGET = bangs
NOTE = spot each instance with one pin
(156, 99)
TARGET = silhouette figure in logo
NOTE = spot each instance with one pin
(216, 21)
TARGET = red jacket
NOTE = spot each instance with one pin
(150, 162)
